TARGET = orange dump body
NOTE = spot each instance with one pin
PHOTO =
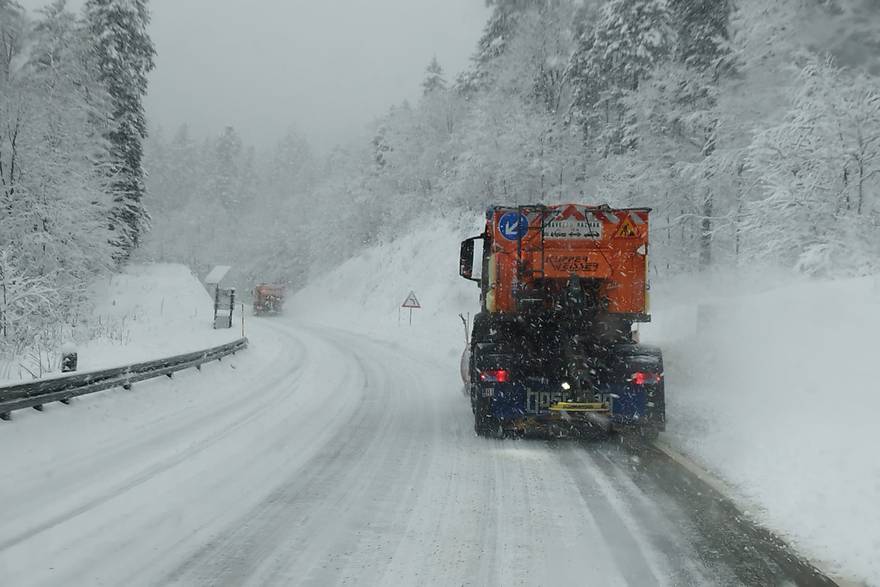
(265, 290)
(268, 297)
(543, 247)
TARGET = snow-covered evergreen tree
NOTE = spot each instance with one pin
(226, 170)
(497, 33)
(12, 34)
(124, 50)
(434, 78)
(628, 41)
(54, 188)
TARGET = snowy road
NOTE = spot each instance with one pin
(323, 457)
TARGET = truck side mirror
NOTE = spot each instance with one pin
(466, 259)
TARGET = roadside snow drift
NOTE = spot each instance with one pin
(776, 394)
(149, 312)
(365, 294)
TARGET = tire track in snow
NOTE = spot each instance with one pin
(75, 539)
(664, 522)
(229, 421)
(359, 466)
(307, 501)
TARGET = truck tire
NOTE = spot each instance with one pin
(485, 424)
(481, 328)
(638, 357)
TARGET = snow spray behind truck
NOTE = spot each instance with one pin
(553, 347)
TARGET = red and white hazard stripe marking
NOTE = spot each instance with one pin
(534, 217)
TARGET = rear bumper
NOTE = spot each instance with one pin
(518, 407)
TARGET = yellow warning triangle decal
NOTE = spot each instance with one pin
(627, 229)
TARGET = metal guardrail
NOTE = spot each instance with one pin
(35, 394)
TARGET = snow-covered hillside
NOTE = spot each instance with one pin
(145, 312)
(771, 391)
(151, 311)
(366, 292)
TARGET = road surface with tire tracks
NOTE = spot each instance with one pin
(321, 457)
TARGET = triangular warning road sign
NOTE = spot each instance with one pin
(627, 229)
(411, 301)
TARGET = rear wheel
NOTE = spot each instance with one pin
(648, 362)
(485, 424)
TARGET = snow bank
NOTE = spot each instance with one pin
(146, 312)
(151, 311)
(776, 394)
(365, 294)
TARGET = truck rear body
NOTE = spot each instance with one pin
(269, 298)
(593, 243)
(553, 345)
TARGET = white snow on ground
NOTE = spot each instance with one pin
(777, 393)
(778, 396)
(319, 457)
(153, 311)
(365, 294)
(148, 312)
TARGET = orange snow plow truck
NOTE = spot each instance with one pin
(553, 347)
(268, 298)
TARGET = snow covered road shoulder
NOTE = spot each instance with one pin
(776, 393)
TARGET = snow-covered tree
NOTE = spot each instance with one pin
(124, 51)
(818, 174)
(54, 191)
(226, 170)
(497, 33)
(12, 35)
(434, 78)
(292, 167)
(628, 41)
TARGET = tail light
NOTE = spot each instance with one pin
(495, 376)
(644, 378)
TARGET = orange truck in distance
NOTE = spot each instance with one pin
(269, 298)
(554, 346)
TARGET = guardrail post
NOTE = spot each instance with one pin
(68, 358)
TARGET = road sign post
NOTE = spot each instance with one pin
(224, 307)
(411, 302)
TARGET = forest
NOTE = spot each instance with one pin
(751, 128)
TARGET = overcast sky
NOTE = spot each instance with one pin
(325, 66)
